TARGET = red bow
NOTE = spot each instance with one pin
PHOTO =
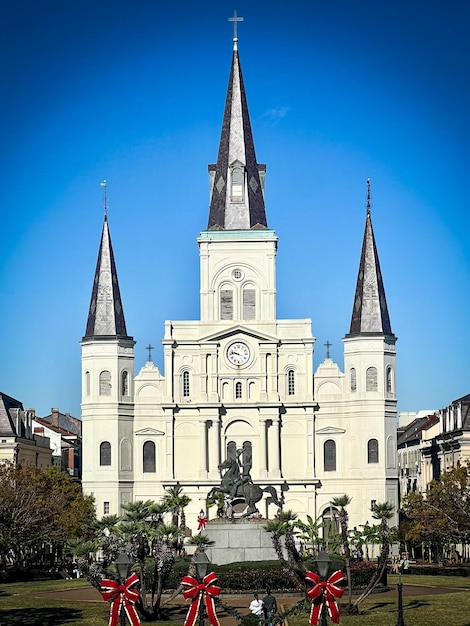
(199, 592)
(121, 595)
(328, 590)
(201, 522)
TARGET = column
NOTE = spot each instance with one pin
(214, 449)
(202, 448)
(274, 448)
(263, 471)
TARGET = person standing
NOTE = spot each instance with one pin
(270, 606)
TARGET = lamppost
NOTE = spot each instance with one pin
(123, 565)
(401, 621)
(323, 562)
(202, 562)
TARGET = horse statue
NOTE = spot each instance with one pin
(240, 486)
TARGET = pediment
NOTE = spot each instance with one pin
(330, 430)
(239, 329)
(149, 432)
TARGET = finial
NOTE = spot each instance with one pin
(368, 204)
(235, 19)
(105, 199)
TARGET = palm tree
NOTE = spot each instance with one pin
(382, 511)
(310, 532)
(283, 526)
(176, 501)
(341, 502)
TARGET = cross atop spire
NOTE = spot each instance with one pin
(105, 198)
(149, 348)
(327, 346)
(368, 202)
(235, 19)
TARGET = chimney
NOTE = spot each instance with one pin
(55, 417)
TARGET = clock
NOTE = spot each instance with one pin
(238, 353)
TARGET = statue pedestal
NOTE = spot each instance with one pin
(238, 540)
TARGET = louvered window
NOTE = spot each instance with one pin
(389, 380)
(105, 383)
(249, 304)
(125, 383)
(237, 184)
(371, 379)
(353, 380)
(226, 304)
(238, 390)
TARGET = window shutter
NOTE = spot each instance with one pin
(249, 304)
(226, 304)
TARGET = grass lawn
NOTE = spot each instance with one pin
(19, 605)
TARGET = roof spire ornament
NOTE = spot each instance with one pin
(235, 19)
(105, 199)
(368, 203)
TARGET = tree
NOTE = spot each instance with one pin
(382, 511)
(442, 515)
(310, 532)
(40, 505)
(341, 503)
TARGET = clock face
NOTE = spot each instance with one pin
(238, 353)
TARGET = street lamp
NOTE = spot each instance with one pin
(323, 562)
(123, 565)
(202, 562)
(401, 620)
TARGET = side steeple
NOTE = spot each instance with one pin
(106, 315)
(237, 180)
(370, 312)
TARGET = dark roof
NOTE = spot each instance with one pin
(370, 312)
(106, 315)
(236, 146)
(7, 425)
(66, 422)
(56, 429)
(414, 430)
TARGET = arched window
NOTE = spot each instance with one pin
(389, 379)
(372, 451)
(290, 383)
(231, 450)
(87, 383)
(105, 453)
(238, 390)
(247, 457)
(329, 455)
(149, 462)
(105, 383)
(249, 303)
(185, 384)
(226, 304)
(371, 379)
(237, 176)
(352, 374)
(125, 383)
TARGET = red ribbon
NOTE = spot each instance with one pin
(329, 591)
(201, 522)
(121, 595)
(200, 592)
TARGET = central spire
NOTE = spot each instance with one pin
(237, 180)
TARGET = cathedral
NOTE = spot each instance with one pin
(238, 382)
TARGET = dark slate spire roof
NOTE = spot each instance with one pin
(236, 149)
(370, 312)
(106, 316)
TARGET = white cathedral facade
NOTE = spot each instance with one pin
(239, 378)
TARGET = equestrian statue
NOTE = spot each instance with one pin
(238, 486)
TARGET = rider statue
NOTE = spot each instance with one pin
(245, 477)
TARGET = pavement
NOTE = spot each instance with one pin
(179, 606)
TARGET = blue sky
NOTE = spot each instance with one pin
(133, 92)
